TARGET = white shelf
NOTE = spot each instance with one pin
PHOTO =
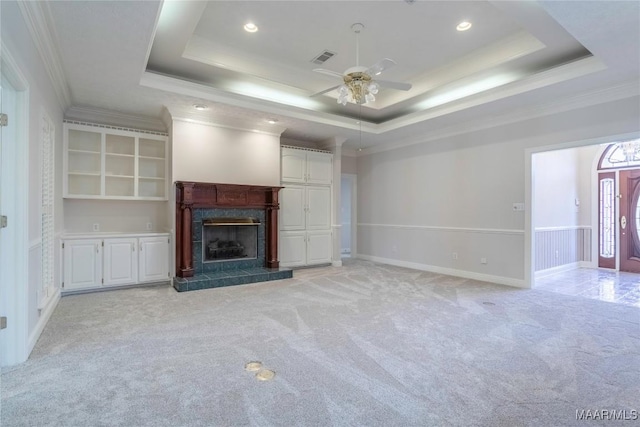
(131, 156)
(84, 152)
(103, 163)
(84, 173)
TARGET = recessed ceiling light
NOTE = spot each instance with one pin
(463, 26)
(272, 121)
(200, 107)
(250, 27)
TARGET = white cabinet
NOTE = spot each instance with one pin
(299, 248)
(82, 263)
(305, 224)
(120, 261)
(103, 163)
(305, 208)
(154, 256)
(91, 262)
(306, 167)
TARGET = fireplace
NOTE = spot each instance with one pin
(226, 235)
(227, 239)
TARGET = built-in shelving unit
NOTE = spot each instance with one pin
(106, 163)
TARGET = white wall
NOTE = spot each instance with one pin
(419, 204)
(563, 229)
(209, 153)
(349, 164)
(42, 98)
(114, 215)
(556, 184)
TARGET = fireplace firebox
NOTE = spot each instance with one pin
(226, 239)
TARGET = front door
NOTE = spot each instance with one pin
(629, 221)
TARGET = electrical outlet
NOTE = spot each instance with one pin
(454, 255)
(394, 249)
(518, 207)
(96, 227)
(483, 260)
(149, 226)
(557, 254)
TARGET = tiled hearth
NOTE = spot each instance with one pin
(196, 202)
(227, 273)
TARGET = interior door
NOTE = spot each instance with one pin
(629, 221)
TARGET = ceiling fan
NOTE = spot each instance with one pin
(358, 84)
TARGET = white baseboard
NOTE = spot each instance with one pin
(557, 269)
(45, 315)
(564, 267)
(501, 280)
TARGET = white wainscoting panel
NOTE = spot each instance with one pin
(558, 246)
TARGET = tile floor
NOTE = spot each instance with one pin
(605, 285)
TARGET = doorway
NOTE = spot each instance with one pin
(348, 222)
(585, 233)
(618, 207)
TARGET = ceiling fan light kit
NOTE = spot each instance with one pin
(358, 85)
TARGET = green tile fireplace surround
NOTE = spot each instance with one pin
(227, 273)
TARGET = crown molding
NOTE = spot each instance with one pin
(604, 95)
(37, 16)
(108, 117)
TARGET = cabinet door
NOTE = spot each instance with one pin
(318, 247)
(318, 208)
(154, 259)
(120, 261)
(292, 248)
(293, 165)
(292, 207)
(319, 168)
(82, 264)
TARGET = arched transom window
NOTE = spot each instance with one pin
(621, 155)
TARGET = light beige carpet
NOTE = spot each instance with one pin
(365, 344)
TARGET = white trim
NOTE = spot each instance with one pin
(45, 315)
(451, 229)
(16, 336)
(501, 280)
(558, 269)
(565, 267)
(218, 125)
(105, 126)
(34, 243)
(568, 227)
(37, 17)
(316, 150)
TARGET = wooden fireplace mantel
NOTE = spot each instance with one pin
(193, 195)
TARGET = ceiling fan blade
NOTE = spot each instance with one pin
(325, 91)
(393, 85)
(327, 72)
(380, 66)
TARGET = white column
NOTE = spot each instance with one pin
(334, 144)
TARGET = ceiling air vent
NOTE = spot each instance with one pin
(323, 57)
